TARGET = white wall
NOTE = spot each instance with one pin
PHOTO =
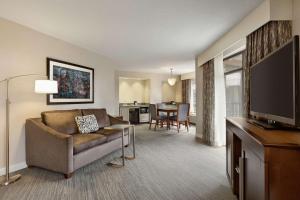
(254, 20)
(296, 17)
(178, 86)
(131, 90)
(171, 93)
(186, 76)
(23, 51)
(147, 91)
(281, 9)
(155, 85)
(268, 10)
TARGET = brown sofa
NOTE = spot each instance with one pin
(53, 141)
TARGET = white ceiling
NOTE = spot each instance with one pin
(139, 35)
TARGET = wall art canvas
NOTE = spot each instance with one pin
(75, 82)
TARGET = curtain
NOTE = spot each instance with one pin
(259, 44)
(208, 103)
(186, 91)
(199, 102)
(220, 102)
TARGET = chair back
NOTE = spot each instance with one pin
(183, 111)
(153, 111)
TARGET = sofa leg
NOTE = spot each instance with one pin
(67, 176)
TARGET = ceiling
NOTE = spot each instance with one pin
(138, 35)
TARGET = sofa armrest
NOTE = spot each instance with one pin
(48, 148)
(114, 120)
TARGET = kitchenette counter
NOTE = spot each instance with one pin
(135, 113)
(133, 105)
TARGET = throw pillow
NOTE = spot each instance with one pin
(87, 124)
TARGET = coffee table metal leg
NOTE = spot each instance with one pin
(133, 142)
(168, 121)
(123, 155)
(133, 145)
(128, 136)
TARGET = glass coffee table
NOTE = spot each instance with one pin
(123, 127)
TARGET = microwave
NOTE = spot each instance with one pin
(144, 110)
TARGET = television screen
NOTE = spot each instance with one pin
(272, 85)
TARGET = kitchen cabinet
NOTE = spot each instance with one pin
(135, 113)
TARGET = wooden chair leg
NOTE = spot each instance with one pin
(150, 124)
(156, 122)
(187, 125)
(67, 176)
(178, 126)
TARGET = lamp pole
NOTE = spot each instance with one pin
(10, 179)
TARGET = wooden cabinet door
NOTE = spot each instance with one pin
(253, 175)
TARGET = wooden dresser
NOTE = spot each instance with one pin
(262, 164)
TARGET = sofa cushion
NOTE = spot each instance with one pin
(83, 142)
(101, 115)
(87, 123)
(62, 120)
(110, 134)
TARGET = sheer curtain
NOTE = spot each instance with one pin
(199, 102)
(220, 102)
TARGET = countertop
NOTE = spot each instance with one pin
(272, 138)
(135, 106)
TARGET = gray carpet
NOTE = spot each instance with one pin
(168, 166)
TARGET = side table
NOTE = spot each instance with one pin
(123, 127)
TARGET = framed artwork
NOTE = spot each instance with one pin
(75, 82)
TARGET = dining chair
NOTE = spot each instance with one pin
(162, 114)
(154, 116)
(182, 116)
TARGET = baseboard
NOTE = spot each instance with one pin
(13, 168)
(199, 139)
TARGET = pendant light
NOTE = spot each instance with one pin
(172, 80)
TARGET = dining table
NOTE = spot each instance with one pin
(168, 109)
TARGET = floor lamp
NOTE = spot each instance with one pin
(41, 86)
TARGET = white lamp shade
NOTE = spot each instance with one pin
(172, 81)
(46, 86)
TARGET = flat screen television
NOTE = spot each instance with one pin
(274, 86)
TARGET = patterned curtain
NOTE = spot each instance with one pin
(208, 103)
(259, 44)
(186, 91)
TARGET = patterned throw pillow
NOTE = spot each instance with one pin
(87, 124)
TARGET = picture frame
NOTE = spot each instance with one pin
(75, 82)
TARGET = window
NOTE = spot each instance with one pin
(234, 85)
(193, 97)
